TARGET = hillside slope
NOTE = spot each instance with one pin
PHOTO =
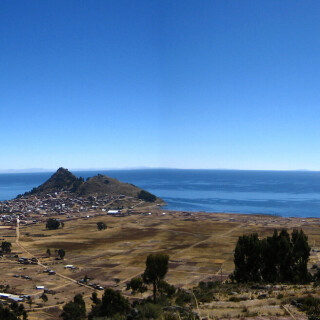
(102, 184)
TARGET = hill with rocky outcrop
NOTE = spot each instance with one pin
(64, 180)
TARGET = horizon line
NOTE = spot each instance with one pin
(43, 170)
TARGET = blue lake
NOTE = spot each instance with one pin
(284, 193)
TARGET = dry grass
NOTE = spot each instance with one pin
(198, 246)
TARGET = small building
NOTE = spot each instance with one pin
(12, 297)
(69, 266)
(113, 212)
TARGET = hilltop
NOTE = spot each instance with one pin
(64, 180)
(61, 180)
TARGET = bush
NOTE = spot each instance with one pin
(236, 299)
(183, 297)
(52, 224)
(101, 226)
(150, 311)
(311, 306)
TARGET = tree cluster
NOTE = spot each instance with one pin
(60, 252)
(14, 312)
(279, 258)
(146, 196)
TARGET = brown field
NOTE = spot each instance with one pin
(199, 245)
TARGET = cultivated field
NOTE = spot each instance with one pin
(200, 246)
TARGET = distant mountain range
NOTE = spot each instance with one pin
(39, 170)
(31, 170)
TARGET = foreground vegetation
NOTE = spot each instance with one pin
(274, 259)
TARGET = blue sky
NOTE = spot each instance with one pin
(182, 84)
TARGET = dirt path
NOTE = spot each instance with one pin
(39, 263)
(211, 237)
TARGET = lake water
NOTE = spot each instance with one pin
(285, 193)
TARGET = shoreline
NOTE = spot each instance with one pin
(241, 214)
(260, 215)
(286, 194)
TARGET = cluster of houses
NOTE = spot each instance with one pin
(57, 203)
(24, 260)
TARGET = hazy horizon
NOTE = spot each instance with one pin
(40, 170)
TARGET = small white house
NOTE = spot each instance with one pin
(113, 211)
(69, 266)
(8, 296)
(40, 287)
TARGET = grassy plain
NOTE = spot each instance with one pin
(200, 246)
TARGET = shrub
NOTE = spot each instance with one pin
(101, 226)
(150, 311)
(52, 224)
(235, 299)
(183, 297)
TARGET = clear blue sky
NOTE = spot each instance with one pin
(183, 84)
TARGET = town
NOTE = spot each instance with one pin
(30, 209)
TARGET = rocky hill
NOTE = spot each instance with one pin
(61, 180)
(64, 180)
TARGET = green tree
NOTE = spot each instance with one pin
(52, 224)
(30, 302)
(101, 226)
(136, 285)
(6, 246)
(111, 304)
(156, 270)
(78, 300)
(94, 298)
(18, 310)
(301, 254)
(71, 312)
(247, 259)
(74, 310)
(166, 289)
(44, 298)
(61, 253)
